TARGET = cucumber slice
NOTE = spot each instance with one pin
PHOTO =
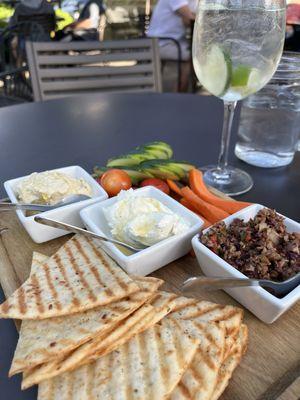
(216, 72)
(162, 147)
(161, 173)
(157, 153)
(165, 164)
(150, 151)
(176, 164)
(156, 148)
(185, 166)
(165, 167)
(137, 176)
(123, 161)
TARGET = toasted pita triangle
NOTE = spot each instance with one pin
(41, 341)
(231, 362)
(162, 304)
(38, 259)
(140, 320)
(195, 310)
(182, 308)
(147, 367)
(80, 276)
(199, 380)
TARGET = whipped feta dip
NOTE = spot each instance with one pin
(50, 187)
(145, 220)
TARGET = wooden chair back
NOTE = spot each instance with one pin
(61, 69)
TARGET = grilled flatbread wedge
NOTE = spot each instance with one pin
(80, 276)
(43, 340)
(147, 367)
(199, 380)
(195, 310)
(231, 362)
(140, 320)
(162, 304)
(38, 259)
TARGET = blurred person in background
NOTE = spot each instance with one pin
(25, 9)
(87, 24)
(30, 7)
(70, 6)
(170, 19)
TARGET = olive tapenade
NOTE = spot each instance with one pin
(260, 248)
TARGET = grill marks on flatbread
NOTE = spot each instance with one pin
(143, 318)
(231, 362)
(204, 311)
(118, 374)
(41, 341)
(81, 355)
(193, 309)
(199, 380)
(123, 348)
(80, 276)
(161, 306)
(147, 367)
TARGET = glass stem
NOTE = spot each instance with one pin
(229, 108)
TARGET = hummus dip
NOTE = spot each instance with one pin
(50, 187)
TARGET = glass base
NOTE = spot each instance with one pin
(231, 181)
(263, 159)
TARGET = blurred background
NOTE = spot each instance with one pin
(86, 20)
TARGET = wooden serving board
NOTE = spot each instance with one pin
(271, 368)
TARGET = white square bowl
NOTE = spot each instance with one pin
(259, 301)
(153, 257)
(69, 213)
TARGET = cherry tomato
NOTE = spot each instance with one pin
(158, 183)
(115, 180)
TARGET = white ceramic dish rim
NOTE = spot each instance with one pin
(85, 175)
(154, 247)
(289, 298)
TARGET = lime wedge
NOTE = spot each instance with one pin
(216, 72)
(240, 75)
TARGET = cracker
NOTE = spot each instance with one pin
(79, 277)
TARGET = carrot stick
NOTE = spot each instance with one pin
(188, 205)
(209, 211)
(174, 187)
(175, 196)
(199, 188)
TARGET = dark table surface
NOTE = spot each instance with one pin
(88, 130)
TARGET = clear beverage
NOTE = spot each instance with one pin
(267, 136)
(236, 51)
(270, 119)
(237, 45)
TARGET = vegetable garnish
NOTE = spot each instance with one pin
(152, 160)
(158, 183)
(199, 188)
(115, 180)
(151, 165)
(210, 212)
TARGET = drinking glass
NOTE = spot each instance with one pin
(270, 119)
(237, 45)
